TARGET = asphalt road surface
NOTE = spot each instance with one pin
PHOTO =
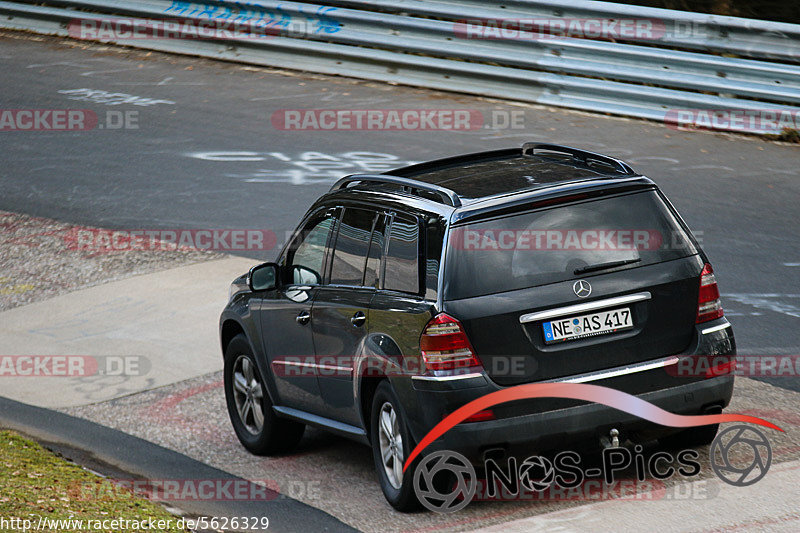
(198, 149)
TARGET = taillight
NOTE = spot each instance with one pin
(708, 304)
(445, 345)
(481, 416)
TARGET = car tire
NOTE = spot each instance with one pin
(390, 434)
(256, 425)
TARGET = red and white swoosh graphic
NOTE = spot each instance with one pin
(579, 391)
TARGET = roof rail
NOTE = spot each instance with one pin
(447, 196)
(583, 155)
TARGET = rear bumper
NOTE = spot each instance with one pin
(555, 424)
(581, 426)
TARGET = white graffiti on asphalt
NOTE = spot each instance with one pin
(306, 167)
(104, 97)
(777, 303)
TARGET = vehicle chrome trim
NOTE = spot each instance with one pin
(299, 287)
(588, 306)
(619, 371)
(715, 328)
(448, 378)
(312, 365)
(319, 421)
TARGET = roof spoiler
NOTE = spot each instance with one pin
(620, 166)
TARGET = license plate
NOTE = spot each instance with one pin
(578, 327)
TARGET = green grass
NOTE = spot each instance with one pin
(36, 483)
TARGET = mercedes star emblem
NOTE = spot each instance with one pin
(582, 288)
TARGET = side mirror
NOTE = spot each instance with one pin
(305, 276)
(263, 277)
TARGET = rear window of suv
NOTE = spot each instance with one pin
(550, 245)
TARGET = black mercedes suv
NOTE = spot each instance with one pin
(402, 296)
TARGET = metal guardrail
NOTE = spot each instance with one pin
(653, 75)
(681, 29)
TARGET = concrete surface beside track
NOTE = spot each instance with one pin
(165, 323)
(760, 507)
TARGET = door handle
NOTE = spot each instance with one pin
(303, 318)
(358, 319)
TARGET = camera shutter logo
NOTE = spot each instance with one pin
(536, 473)
(445, 481)
(734, 441)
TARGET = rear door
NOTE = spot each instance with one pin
(341, 308)
(404, 303)
(574, 288)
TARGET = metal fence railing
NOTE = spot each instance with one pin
(739, 74)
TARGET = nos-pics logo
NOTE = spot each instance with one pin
(445, 481)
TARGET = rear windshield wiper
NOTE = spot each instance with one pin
(603, 266)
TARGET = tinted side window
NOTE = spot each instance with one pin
(307, 254)
(402, 256)
(435, 228)
(373, 272)
(352, 245)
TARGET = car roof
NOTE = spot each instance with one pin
(501, 174)
(499, 177)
